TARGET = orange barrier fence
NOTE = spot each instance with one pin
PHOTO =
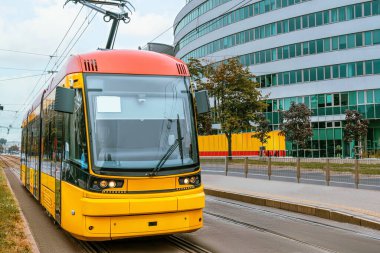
(242, 145)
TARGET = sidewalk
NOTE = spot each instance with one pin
(356, 206)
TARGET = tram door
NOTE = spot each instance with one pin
(59, 152)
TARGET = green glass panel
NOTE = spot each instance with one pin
(361, 97)
(369, 94)
(351, 41)
(298, 49)
(313, 74)
(286, 78)
(377, 96)
(327, 72)
(298, 23)
(376, 66)
(370, 112)
(275, 118)
(361, 109)
(368, 67)
(367, 9)
(343, 70)
(306, 75)
(359, 68)
(342, 42)
(321, 100)
(320, 46)
(342, 14)
(329, 110)
(305, 47)
(343, 109)
(377, 111)
(359, 39)
(336, 110)
(326, 45)
(292, 51)
(315, 134)
(320, 73)
(326, 17)
(312, 45)
(335, 43)
(319, 17)
(334, 15)
(375, 7)
(352, 98)
(351, 72)
(344, 99)
(376, 37)
(330, 134)
(311, 20)
(368, 38)
(335, 69)
(314, 102)
(299, 76)
(292, 77)
(307, 101)
(358, 10)
(338, 133)
(350, 12)
(353, 107)
(322, 134)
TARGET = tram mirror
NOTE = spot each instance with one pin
(202, 100)
(64, 100)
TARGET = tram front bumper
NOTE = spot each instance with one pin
(94, 218)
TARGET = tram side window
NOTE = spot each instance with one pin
(23, 146)
(29, 144)
(77, 133)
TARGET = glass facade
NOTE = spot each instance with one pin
(198, 11)
(235, 16)
(289, 25)
(339, 71)
(327, 140)
(319, 46)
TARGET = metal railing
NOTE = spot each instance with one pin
(324, 171)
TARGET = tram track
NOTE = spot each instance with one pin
(268, 231)
(294, 218)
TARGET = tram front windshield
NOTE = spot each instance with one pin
(137, 120)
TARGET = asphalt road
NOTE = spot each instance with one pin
(229, 227)
(290, 175)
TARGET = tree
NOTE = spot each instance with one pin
(237, 98)
(296, 125)
(198, 72)
(13, 149)
(262, 129)
(3, 141)
(355, 130)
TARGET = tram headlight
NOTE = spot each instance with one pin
(112, 184)
(190, 180)
(103, 184)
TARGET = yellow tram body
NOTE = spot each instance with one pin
(139, 204)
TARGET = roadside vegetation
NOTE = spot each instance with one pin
(12, 236)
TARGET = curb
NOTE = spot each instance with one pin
(317, 211)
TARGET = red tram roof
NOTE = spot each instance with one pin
(132, 62)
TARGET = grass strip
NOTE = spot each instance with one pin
(12, 235)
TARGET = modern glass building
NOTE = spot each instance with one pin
(324, 53)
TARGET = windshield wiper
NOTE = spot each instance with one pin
(180, 138)
(172, 148)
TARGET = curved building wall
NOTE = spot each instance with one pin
(325, 54)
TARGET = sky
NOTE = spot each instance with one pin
(37, 27)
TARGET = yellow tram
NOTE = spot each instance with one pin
(110, 147)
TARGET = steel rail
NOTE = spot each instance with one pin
(268, 231)
(185, 245)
